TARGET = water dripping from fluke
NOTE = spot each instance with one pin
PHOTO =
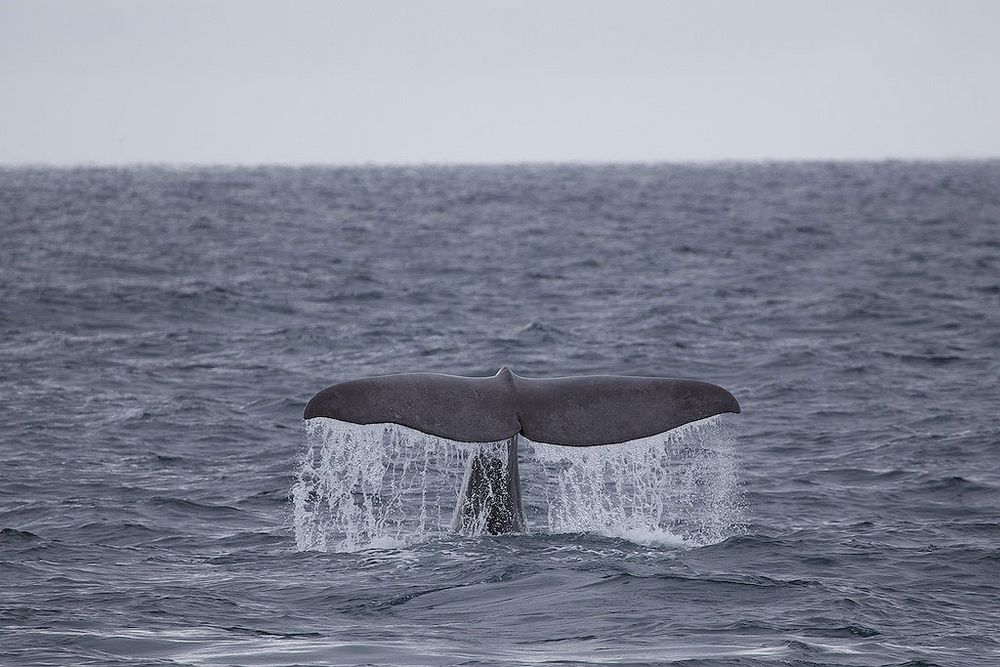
(396, 459)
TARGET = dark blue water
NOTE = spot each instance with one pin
(162, 329)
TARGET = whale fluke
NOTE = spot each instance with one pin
(574, 411)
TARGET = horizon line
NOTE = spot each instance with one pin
(182, 165)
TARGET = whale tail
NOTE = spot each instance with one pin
(490, 501)
(571, 411)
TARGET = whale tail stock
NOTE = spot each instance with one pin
(572, 411)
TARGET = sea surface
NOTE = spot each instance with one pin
(161, 330)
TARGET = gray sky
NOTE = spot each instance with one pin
(477, 81)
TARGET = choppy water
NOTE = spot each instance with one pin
(162, 330)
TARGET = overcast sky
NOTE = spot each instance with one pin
(475, 81)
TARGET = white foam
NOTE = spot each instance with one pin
(364, 486)
(656, 537)
(678, 487)
(385, 486)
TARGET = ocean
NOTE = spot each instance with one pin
(163, 503)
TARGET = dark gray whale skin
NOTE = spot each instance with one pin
(575, 411)
(491, 493)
